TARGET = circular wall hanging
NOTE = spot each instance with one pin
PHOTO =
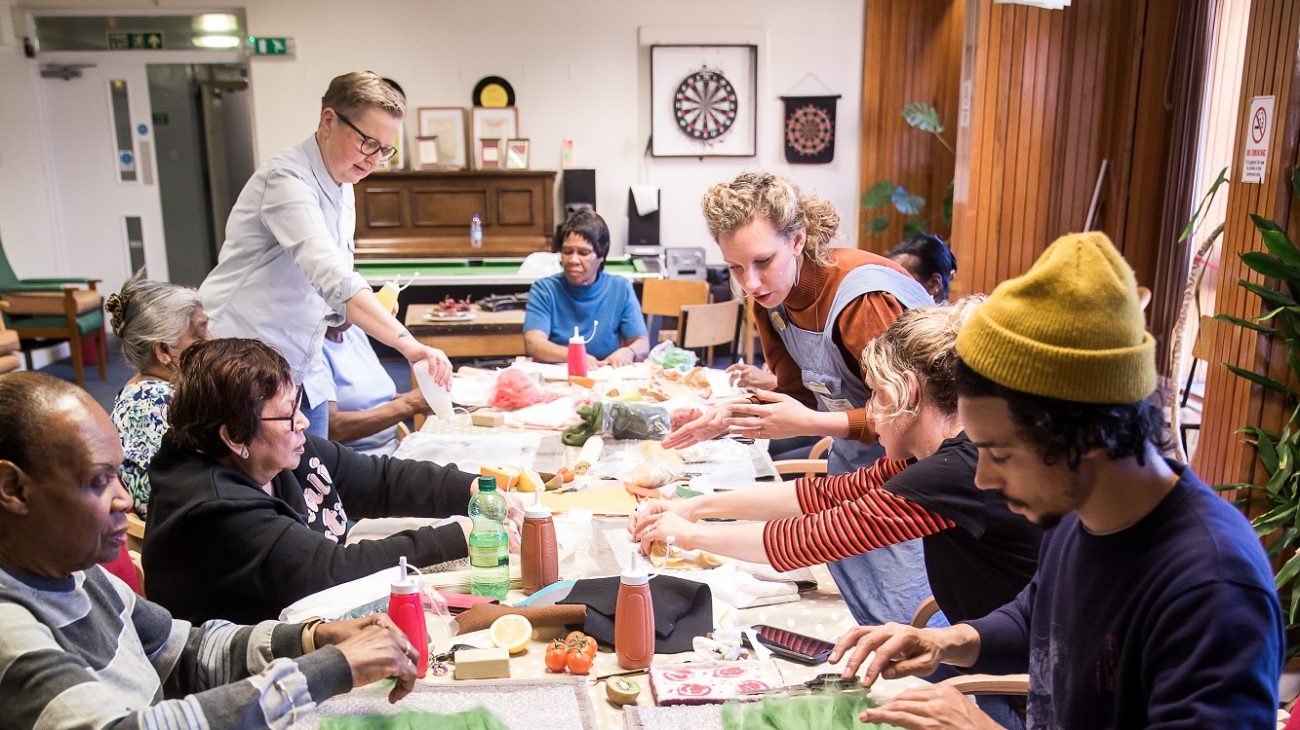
(494, 92)
(809, 129)
(704, 105)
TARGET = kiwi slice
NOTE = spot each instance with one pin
(621, 690)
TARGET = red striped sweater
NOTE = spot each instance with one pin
(845, 515)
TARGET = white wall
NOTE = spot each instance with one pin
(578, 72)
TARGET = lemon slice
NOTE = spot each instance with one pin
(511, 632)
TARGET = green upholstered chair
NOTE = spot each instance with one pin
(50, 311)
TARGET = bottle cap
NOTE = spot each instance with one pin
(487, 484)
(576, 339)
(537, 510)
(636, 574)
(405, 584)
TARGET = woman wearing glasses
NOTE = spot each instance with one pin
(285, 271)
(581, 295)
(249, 513)
(816, 308)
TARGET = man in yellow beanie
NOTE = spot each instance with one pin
(1153, 604)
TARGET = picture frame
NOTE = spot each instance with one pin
(516, 155)
(703, 100)
(489, 154)
(426, 153)
(493, 123)
(447, 125)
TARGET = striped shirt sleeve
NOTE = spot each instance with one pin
(824, 492)
(875, 518)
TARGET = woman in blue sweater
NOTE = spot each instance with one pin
(581, 295)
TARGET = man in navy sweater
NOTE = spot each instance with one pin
(1153, 604)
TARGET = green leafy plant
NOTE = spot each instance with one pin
(885, 193)
(1278, 451)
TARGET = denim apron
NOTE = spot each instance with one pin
(880, 585)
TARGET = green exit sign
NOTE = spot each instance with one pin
(263, 46)
(148, 40)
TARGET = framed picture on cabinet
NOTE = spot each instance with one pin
(426, 153)
(489, 154)
(516, 154)
(493, 124)
(446, 124)
(703, 100)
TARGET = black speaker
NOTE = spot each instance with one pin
(642, 230)
(579, 190)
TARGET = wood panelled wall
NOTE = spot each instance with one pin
(1272, 61)
(1053, 94)
(912, 53)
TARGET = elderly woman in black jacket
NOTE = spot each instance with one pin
(249, 512)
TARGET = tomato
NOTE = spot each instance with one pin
(578, 661)
(556, 656)
(590, 647)
(570, 637)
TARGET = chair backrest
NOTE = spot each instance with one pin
(666, 297)
(1144, 297)
(1203, 347)
(705, 325)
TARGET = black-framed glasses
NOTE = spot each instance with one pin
(369, 145)
(292, 417)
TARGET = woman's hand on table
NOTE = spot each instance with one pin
(931, 708)
(709, 425)
(748, 376)
(421, 356)
(779, 416)
(684, 508)
(620, 357)
(375, 649)
(659, 527)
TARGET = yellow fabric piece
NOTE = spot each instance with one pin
(1070, 328)
(683, 559)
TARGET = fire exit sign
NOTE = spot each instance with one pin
(263, 46)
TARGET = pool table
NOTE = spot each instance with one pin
(471, 272)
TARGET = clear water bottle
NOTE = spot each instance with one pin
(476, 232)
(489, 546)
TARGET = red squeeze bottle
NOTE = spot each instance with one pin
(539, 552)
(406, 611)
(577, 355)
(634, 618)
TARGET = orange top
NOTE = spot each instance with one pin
(808, 307)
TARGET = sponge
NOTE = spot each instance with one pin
(482, 663)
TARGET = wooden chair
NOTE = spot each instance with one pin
(815, 464)
(1144, 297)
(973, 684)
(9, 345)
(708, 325)
(666, 297)
(53, 310)
(1202, 349)
(134, 532)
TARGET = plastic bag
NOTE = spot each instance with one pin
(671, 357)
(620, 420)
(515, 389)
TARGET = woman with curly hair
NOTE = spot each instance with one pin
(156, 322)
(816, 308)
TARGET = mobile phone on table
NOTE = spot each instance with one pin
(788, 644)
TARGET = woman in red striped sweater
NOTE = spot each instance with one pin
(977, 552)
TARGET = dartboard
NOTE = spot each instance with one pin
(705, 105)
(809, 129)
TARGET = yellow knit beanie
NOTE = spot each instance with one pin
(1071, 328)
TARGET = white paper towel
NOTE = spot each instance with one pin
(646, 198)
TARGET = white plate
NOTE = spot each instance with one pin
(434, 316)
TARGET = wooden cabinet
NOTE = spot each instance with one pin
(426, 213)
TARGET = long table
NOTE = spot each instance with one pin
(486, 334)
(501, 272)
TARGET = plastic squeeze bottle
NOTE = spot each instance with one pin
(577, 355)
(539, 552)
(406, 611)
(634, 617)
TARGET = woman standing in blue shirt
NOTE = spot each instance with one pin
(581, 295)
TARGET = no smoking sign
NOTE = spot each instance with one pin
(1259, 126)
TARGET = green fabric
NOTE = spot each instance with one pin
(86, 321)
(824, 711)
(479, 718)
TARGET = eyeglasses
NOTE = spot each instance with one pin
(369, 145)
(292, 417)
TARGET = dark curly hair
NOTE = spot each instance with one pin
(1061, 429)
(224, 382)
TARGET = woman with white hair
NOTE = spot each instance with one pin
(156, 322)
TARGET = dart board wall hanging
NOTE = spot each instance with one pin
(809, 131)
(703, 100)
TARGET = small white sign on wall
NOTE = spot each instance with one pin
(1259, 127)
